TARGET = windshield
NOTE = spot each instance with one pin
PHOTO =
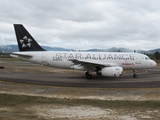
(147, 58)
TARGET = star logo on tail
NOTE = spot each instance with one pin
(26, 42)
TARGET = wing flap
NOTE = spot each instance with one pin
(92, 63)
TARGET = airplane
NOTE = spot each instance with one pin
(109, 64)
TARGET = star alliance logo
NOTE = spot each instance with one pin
(26, 42)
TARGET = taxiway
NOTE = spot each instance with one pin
(148, 79)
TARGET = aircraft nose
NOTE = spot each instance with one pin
(154, 63)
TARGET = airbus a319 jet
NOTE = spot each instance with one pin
(110, 64)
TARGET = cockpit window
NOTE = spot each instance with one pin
(147, 58)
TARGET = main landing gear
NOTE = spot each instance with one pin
(88, 75)
(134, 74)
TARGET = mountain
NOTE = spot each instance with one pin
(114, 49)
(152, 51)
(14, 48)
(56, 49)
(9, 48)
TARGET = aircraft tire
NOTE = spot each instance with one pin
(86, 73)
(89, 76)
(135, 76)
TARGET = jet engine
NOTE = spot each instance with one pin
(112, 71)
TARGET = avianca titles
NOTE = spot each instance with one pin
(110, 64)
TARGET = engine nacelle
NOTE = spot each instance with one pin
(112, 71)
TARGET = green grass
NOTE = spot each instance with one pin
(13, 100)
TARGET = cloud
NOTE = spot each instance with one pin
(84, 24)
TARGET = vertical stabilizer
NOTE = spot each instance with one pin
(25, 41)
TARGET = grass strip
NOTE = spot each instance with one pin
(13, 100)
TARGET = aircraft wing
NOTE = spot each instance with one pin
(20, 55)
(92, 64)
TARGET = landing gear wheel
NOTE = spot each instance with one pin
(135, 76)
(89, 76)
(86, 73)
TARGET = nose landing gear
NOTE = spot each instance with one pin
(134, 74)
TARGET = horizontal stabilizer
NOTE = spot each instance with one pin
(20, 55)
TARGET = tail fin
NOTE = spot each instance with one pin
(25, 41)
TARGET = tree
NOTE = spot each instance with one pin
(157, 55)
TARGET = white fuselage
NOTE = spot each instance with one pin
(61, 59)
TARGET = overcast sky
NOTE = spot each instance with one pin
(84, 24)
